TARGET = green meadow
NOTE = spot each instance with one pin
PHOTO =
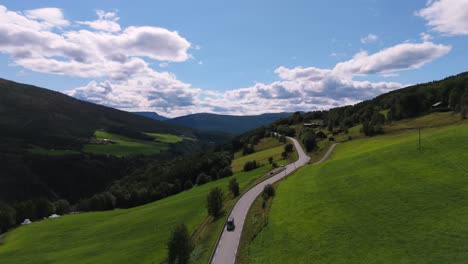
(136, 235)
(268, 147)
(125, 146)
(167, 138)
(377, 200)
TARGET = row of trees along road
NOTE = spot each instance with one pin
(180, 244)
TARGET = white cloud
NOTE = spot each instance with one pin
(369, 39)
(50, 17)
(299, 88)
(107, 21)
(119, 61)
(152, 90)
(446, 16)
(425, 36)
(84, 53)
(397, 58)
(389, 75)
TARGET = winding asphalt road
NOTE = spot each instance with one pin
(226, 249)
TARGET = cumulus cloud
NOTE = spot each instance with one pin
(299, 88)
(117, 55)
(446, 16)
(107, 21)
(152, 90)
(369, 39)
(397, 58)
(425, 36)
(119, 62)
(50, 17)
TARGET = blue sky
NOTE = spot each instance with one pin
(238, 57)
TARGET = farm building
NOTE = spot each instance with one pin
(319, 135)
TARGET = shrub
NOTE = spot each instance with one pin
(62, 206)
(44, 208)
(26, 209)
(234, 187)
(268, 191)
(284, 154)
(288, 147)
(188, 185)
(202, 179)
(225, 172)
(250, 165)
(179, 245)
(308, 139)
(215, 202)
(7, 217)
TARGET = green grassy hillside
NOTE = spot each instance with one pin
(137, 235)
(268, 147)
(125, 146)
(378, 200)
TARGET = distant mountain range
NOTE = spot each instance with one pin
(152, 115)
(50, 119)
(218, 123)
(226, 123)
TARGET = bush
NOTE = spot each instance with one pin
(234, 187)
(225, 172)
(7, 217)
(44, 208)
(268, 191)
(101, 202)
(179, 245)
(215, 202)
(188, 185)
(62, 206)
(202, 179)
(84, 205)
(270, 160)
(288, 147)
(284, 154)
(308, 139)
(250, 165)
(26, 209)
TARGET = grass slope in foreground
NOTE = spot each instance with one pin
(136, 235)
(378, 200)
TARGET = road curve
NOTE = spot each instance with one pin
(226, 248)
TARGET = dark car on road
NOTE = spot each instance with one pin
(230, 224)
